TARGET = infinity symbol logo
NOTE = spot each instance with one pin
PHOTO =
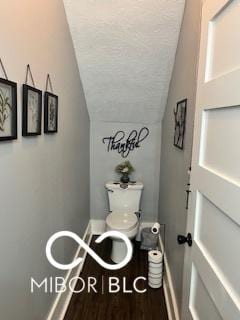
(73, 264)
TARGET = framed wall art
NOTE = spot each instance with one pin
(32, 111)
(50, 113)
(180, 121)
(8, 110)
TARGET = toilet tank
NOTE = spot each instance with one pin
(124, 200)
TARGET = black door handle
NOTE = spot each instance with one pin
(182, 239)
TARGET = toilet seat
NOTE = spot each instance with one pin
(122, 221)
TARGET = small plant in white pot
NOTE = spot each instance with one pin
(125, 169)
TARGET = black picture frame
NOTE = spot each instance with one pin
(8, 109)
(180, 123)
(32, 102)
(50, 113)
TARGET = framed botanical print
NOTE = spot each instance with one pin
(50, 112)
(8, 110)
(32, 111)
(180, 119)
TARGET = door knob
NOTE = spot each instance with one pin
(182, 239)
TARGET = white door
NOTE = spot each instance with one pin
(211, 289)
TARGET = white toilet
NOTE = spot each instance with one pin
(124, 206)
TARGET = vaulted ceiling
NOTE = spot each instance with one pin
(125, 51)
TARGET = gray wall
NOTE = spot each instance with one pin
(44, 183)
(174, 162)
(145, 160)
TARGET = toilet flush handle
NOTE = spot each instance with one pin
(138, 214)
(110, 190)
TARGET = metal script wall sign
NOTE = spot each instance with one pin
(125, 144)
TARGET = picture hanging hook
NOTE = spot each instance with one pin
(3, 69)
(49, 83)
(29, 72)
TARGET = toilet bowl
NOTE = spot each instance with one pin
(124, 203)
(128, 224)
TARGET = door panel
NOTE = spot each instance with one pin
(218, 237)
(221, 36)
(201, 304)
(222, 132)
(211, 287)
(217, 287)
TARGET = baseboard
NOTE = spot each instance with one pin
(170, 297)
(62, 299)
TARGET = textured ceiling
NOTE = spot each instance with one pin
(125, 51)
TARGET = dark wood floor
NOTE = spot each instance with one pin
(116, 306)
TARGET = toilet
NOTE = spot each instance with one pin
(124, 205)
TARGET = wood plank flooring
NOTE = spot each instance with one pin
(116, 306)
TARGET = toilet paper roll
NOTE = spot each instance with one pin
(156, 276)
(155, 281)
(155, 256)
(155, 270)
(155, 228)
(154, 286)
(155, 265)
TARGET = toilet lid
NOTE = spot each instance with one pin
(122, 221)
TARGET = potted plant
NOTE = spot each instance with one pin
(125, 169)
